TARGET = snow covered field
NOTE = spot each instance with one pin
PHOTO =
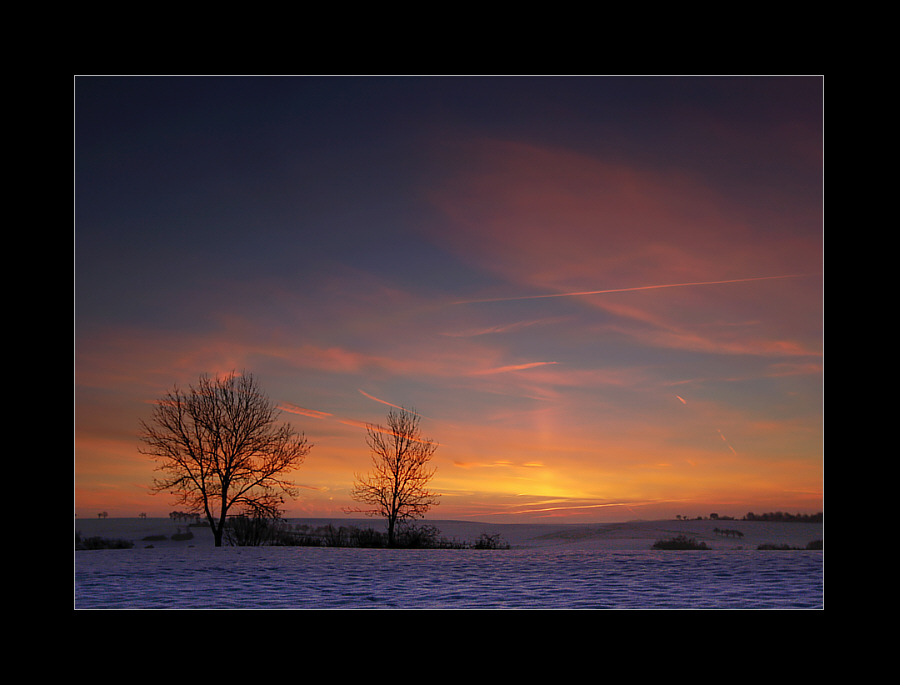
(548, 567)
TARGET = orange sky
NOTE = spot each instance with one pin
(437, 256)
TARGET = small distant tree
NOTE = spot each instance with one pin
(397, 486)
(221, 448)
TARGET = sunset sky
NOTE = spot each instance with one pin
(604, 295)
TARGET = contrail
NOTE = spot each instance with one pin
(372, 397)
(721, 434)
(725, 440)
(314, 413)
(303, 411)
(514, 367)
(626, 290)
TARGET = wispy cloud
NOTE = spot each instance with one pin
(355, 423)
(563, 507)
(498, 463)
(503, 328)
(376, 399)
(302, 411)
(582, 293)
(512, 367)
(725, 440)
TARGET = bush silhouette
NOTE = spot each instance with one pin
(679, 542)
(100, 543)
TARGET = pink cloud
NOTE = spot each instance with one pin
(562, 214)
(650, 246)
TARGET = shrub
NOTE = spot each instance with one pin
(282, 535)
(814, 545)
(243, 531)
(486, 541)
(302, 537)
(367, 537)
(679, 542)
(100, 543)
(418, 537)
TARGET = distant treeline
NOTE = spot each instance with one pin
(784, 517)
(771, 516)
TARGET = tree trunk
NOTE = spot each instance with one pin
(391, 521)
(219, 528)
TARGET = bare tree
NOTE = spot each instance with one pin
(221, 448)
(396, 488)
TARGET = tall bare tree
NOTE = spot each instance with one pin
(397, 486)
(220, 448)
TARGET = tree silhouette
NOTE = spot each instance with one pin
(396, 488)
(221, 448)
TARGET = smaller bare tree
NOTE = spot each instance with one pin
(220, 447)
(397, 486)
